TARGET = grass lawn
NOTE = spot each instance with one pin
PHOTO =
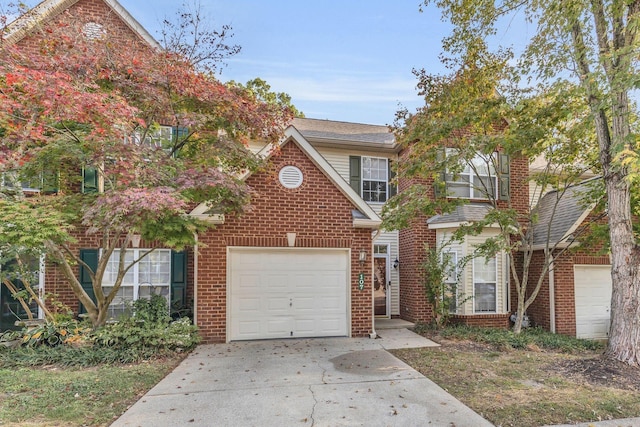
(532, 385)
(55, 396)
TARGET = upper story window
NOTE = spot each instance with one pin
(375, 179)
(477, 180)
(370, 177)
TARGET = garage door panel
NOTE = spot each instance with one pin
(289, 293)
(593, 300)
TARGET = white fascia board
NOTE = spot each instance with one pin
(579, 221)
(133, 23)
(456, 225)
(200, 212)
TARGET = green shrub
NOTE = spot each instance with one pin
(503, 338)
(178, 335)
(151, 311)
(55, 333)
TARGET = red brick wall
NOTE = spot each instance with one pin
(117, 31)
(317, 212)
(500, 321)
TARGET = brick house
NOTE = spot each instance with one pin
(308, 260)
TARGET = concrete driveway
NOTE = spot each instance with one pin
(305, 382)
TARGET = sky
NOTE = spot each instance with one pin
(346, 60)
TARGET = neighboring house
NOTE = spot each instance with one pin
(309, 260)
(575, 297)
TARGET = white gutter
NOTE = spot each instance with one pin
(552, 295)
(195, 280)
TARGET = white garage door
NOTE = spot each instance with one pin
(287, 293)
(593, 300)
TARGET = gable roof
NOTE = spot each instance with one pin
(363, 216)
(49, 9)
(345, 134)
(560, 213)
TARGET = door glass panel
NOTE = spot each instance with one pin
(380, 282)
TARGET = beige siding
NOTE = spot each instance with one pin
(465, 248)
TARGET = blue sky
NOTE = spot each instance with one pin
(348, 60)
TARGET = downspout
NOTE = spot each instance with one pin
(195, 279)
(41, 282)
(552, 295)
(373, 334)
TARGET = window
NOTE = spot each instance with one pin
(375, 179)
(380, 249)
(47, 182)
(476, 181)
(154, 136)
(151, 275)
(450, 290)
(485, 278)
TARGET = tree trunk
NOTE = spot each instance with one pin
(624, 332)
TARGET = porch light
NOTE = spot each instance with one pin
(363, 257)
(396, 263)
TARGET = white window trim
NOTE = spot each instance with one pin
(448, 280)
(362, 179)
(470, 175)
(135, 272)
(473, 284)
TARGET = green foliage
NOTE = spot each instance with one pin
(261, 90)
(502, 338)
(144, 337)
(54, 333)
(443, 296)
(152, 312)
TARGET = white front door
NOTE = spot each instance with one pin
(593, 300)
(287, 293)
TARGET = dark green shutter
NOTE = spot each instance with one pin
(178, 280)
(440, 187)
(355, 173)
(89, 257)
(89, 180)
(393, 189)
(505, 178)
(49, 182)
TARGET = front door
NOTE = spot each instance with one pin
(381, 281)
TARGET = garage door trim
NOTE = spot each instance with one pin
(346, 252)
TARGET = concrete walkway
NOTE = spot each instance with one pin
(306, 382)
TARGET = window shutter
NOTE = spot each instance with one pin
(505, 178)
(178, 280)
(50, 180)
(355, 173)
(393, 188)
(90, 257)
(440, 188)
(89, 180)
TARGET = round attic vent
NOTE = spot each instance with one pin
(93, 30)
(290, 177)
